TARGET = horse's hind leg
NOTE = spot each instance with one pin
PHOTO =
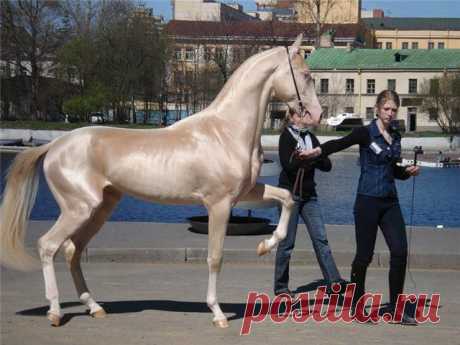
(219, 214)
(74, 247)
(48, 245)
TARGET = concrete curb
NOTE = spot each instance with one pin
(249, 256)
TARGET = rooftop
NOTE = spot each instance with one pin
(391, 23)
(384, 59)
(254, 29)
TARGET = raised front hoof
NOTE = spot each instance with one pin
(54, 319)
(220, 323)
(99, 314)
(262, 249)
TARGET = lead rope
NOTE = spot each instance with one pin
(299, 182)
(411, 225)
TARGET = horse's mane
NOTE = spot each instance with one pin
(241, 73)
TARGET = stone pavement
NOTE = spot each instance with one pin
(131, 242)
(164, 304)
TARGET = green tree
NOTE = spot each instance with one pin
(34, 32)
(82, 105)
(131, 55)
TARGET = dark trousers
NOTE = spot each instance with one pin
(370, 213)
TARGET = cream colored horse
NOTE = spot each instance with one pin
(212, 158)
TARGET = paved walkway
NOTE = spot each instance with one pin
(165, 243)
(164, 304)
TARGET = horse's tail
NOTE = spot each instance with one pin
(18, 200)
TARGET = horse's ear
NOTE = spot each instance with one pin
(294, 49)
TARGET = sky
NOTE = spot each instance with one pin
(392, 8)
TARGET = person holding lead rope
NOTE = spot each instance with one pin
(377, 203)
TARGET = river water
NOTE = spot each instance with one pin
(437, 193)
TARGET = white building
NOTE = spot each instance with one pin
(348, 80)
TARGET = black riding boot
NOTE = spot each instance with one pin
(358, 276)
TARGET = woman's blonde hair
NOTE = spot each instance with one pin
(387, 95)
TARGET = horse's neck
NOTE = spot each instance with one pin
(244, 99)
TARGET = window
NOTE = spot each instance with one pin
(388, 45)
(325, 113)
(189, 54)
(405, 45)
(349, 110)
(412, 85)
(391, 84)
(324, 85)
(434, 87)
(237, 54)
(219, 56)
(414, 45)
(379, 45)
(433, 114)
(350, 86)
(178, 54)
(440, 45)
(371, 86)
(207, 54)
(430, 45)
(188, 76)
(370, 113)
(248, 52)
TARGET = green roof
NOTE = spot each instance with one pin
(384, 59)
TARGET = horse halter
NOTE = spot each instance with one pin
(302, 108)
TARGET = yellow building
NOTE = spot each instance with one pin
(330, 11)
(414, 33)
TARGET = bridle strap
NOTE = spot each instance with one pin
(295, 83)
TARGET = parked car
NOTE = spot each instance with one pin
(96, 118)
(339, 118)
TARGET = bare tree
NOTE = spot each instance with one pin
(442, 101)
(80, 15)
(316, 11)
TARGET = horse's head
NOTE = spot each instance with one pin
(293, 84)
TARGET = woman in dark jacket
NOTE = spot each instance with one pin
(377, 203)
(297, 175)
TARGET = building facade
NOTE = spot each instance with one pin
(208, 10)
(348, 80)
(414, 33)
(331, 11)
(206, 53)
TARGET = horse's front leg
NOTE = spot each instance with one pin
(219, 214)
(264, 192)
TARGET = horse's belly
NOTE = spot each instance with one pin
(156, 188)
(156, 182)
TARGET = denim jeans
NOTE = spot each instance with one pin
(310, 211)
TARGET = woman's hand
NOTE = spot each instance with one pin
(413, 170)
(310, 154)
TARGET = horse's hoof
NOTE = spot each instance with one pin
(55, 319)
(262, 249)
(99, 314)
(220, 323)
